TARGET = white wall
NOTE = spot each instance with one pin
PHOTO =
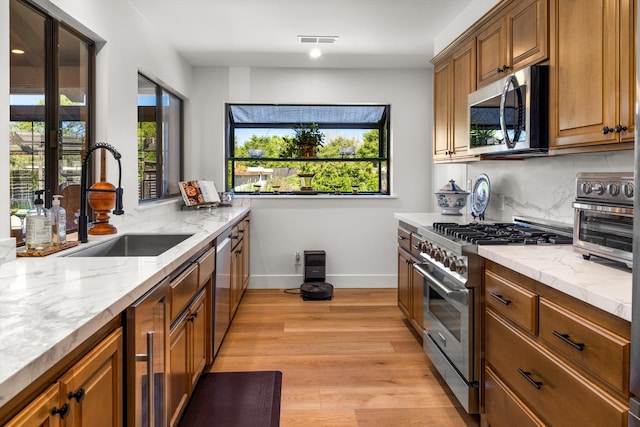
(357, 233)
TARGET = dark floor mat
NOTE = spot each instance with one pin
(235, 399)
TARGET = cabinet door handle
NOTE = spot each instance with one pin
(565, 338)
(607, 129)
(63, 411)
(499, 298)
(527, 375)
(620, 128)
(78, 395)
(151, 386)
(503, 69)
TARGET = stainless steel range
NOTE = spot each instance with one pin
(452, 273)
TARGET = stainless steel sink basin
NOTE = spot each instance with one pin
(129, 245)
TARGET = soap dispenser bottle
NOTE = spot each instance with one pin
(58, 222)
(38, 225)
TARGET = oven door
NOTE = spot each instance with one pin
(447, 316)
(604, 231)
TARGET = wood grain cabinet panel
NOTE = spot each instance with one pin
(581, 342)
(502, 407)
(89, 394)
(515, 38)
(512, 301)
(492, 52)
(592, 94)
(553, 390)
(454, 79)
(39, 412)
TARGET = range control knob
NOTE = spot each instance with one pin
(613, 189)
(446, 261)
(628, 190)
(453, 263)
(440, 255)
(458, 266)
(598, 188)
(586, 187)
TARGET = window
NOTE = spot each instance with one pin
(159, 141)
(51, 97)
(307, 149)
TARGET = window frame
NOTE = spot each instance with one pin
(384, 145)
(52, 126)
(164, 192)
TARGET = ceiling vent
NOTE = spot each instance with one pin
(317, 39)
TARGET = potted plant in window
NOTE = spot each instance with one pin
(305, 143)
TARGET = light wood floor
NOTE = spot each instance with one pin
(351, 361)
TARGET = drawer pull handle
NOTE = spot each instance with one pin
(499, 298)
(527, 375)
(401, 238)
(565, 338)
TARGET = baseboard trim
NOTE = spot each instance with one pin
(337, 280)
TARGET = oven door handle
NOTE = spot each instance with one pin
(460, 296)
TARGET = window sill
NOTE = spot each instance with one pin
(268, 196)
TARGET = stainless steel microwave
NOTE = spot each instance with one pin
(510, 116)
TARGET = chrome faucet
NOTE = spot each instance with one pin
(83, 221)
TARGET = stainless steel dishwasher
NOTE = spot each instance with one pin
(223, 288)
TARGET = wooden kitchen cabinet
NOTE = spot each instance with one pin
(89, 394)
(239, 263)
(454, 78)
(410, 281)
(592, 75)
(187, 354)
(515, 38)
(550, 359)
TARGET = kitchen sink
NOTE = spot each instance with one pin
(130, 245)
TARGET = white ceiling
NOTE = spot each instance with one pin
(263, 33)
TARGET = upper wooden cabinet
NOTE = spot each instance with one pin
(592, 70)
(454, 77)
(515, 38)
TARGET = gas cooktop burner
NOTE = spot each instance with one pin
(500, 234)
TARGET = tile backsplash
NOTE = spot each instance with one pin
(536, 187)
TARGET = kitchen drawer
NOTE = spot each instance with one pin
(183, 289)
(556, 393)
(512, 301)
(582, 342)
(206, 266)
(404, 238)
(502, 408)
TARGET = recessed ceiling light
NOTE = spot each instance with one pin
(17, 51)
(315, 53)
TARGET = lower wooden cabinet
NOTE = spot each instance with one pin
(187, 354)
(410, 283)
(550, 359)
(89, 394)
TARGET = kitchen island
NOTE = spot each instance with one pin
(49, 306)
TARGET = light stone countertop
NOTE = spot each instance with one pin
(599, 282)
(50, 305)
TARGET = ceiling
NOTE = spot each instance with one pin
(264, 33)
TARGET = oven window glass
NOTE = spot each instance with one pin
(606, 229)
(484, 120)
(445, 313)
